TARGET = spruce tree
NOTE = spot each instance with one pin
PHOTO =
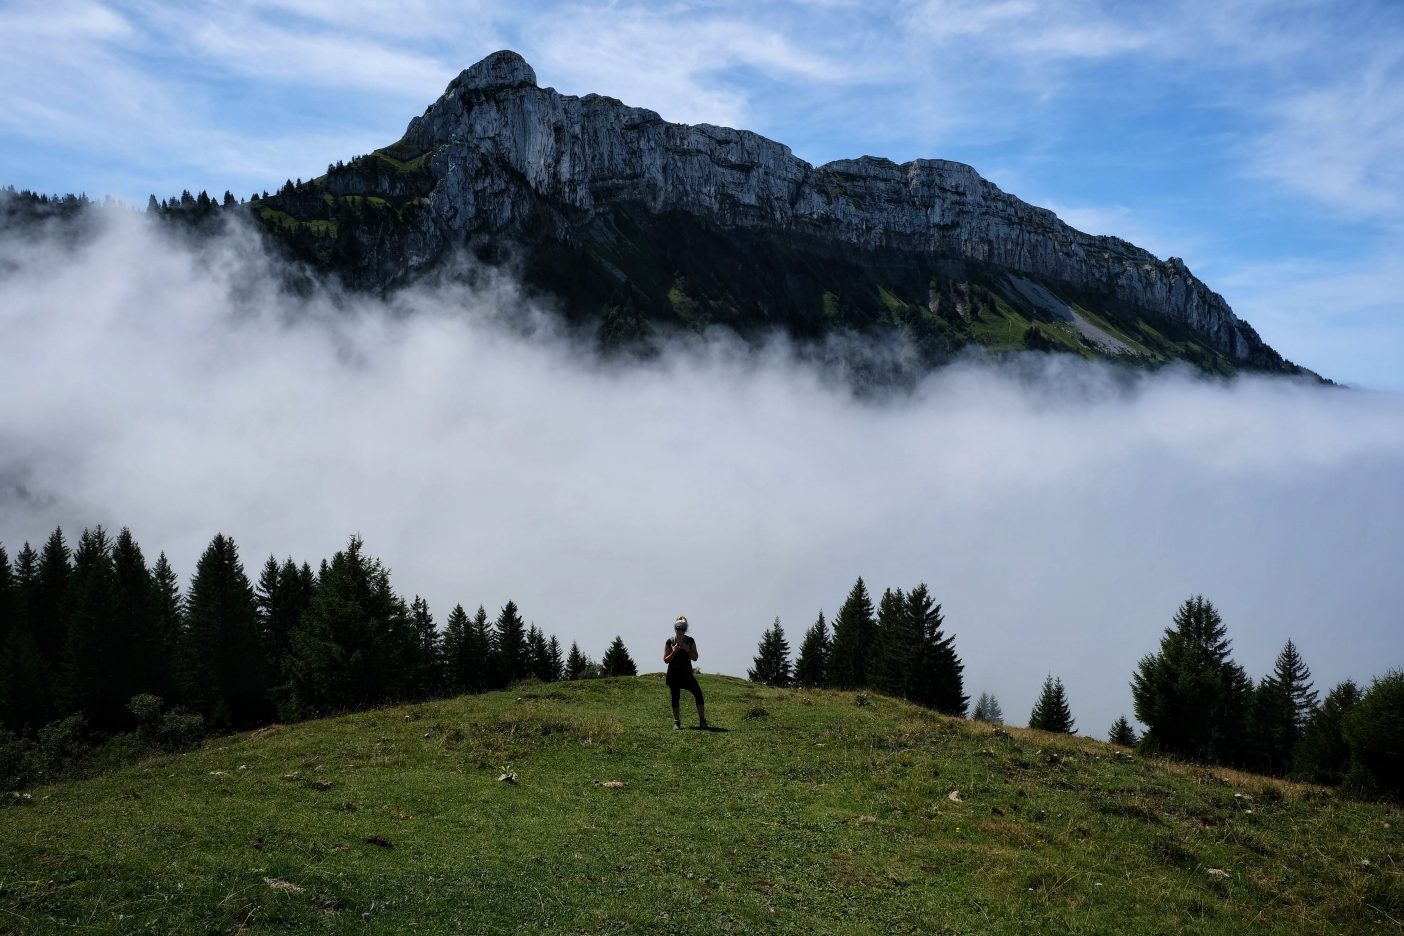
(895, 650)
(510, 642)
(168, 617)
(356, 645)
(48, 610)
(1323, 755)
(1122, 733)
(1191, 696)
(427, 679)
(938, 681)
(616, 660)
(7, 588)
(812, 667)
(853, 635)
(26, 683)
(1374, 729)
(555, 663)
(772, 662)
(1282, 704)
(987, 710)
(576, 664)
(456, 648)
(483, 664)
(136, 622)
(538, 655)
(94, 661)
(227, 680)
(1050, 712)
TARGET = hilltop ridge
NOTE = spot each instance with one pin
(815, 811)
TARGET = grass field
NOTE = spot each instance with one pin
(808, 812)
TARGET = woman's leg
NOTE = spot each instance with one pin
(677, 696)
(697, 695)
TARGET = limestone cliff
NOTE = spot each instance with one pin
(625, 199)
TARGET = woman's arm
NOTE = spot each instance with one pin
(667, 651)
(692, 648)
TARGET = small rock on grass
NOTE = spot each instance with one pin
(282, 885)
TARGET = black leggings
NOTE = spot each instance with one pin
(688, 682)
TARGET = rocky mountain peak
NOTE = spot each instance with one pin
(503, 69)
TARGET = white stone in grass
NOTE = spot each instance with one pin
(1217, 873)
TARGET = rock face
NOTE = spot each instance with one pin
(499, 157)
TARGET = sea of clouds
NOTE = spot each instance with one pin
(1059, 510)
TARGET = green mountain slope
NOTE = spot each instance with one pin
(809, 813)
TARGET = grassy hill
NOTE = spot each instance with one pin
(809, 812)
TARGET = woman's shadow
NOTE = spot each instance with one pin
(712, 728)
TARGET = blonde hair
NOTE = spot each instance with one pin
(680, 624)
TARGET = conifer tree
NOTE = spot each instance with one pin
(26, 684)
(1050, 712)
(1191, 696)
(939, 681)
(616, 660)
(1281, 705)
(1374, 729)
(577, 664)
(227, 681)
(455, 650)
(93, 659)
(48, 610)
(812, 667)
(555, 663)
(1323, 755)
(483, 668)
(772, 662)
(987, 710)
(168, 618)
(7, 588)
(427, 677)
(510, 643)
(146, 654)
(538, 662)
(1122, 733)
(853, 635)
(891, 660)
(355, 646)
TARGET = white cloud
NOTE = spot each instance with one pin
(1060, 512)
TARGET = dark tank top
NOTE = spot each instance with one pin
(680, 666)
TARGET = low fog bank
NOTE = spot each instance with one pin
(1060, 511)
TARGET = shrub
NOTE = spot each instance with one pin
(1374, 728)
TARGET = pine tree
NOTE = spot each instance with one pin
(227, 680)
(1191, 696)
(555, 663)
(853, 635)
(577, 665)
(616, 660)
(7, 588)
(510, 643)
(1281, 705)
(987, 710)
(812, 667)
(1323, 755)
(456, 647)
(772, 662)
(1122, 733)
(356, 645)
(1050, 712)
(427, 677)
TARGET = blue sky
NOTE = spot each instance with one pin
(1262, 142)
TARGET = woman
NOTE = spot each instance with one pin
(678, 652)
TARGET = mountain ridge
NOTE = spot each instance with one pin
(602, 201)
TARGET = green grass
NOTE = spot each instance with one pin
(808, 814)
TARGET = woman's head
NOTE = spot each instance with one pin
(680, 625)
